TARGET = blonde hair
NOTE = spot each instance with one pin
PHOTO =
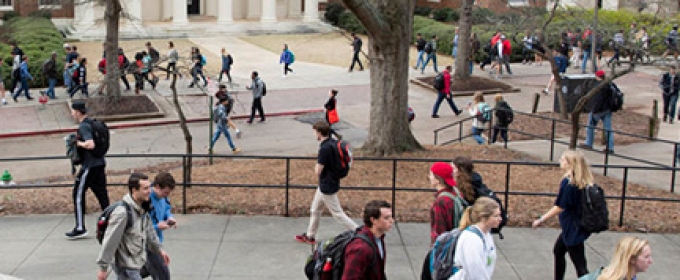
(498, 98)
(621, 267)
(478, 97)
(483, 209)
(579, 171)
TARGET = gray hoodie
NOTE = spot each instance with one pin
(127, 247)
(256, 87)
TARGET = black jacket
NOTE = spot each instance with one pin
(670, 85)
(502, 114)
(601, 101)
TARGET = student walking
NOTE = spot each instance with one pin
(572, 239)
(198, 61)
(173, 57)
(124, 249)
(431, 51)
(670, 84)
(504, 116)
(445, 93)
(442, 211)
(123, 66)
(364, 260)
(80, 80)
(258, 88)
(287, 58)
(223, 122)
(562, 65)
(478, 109)
(420, 47)
(357, 43)
(162, 219)
(24, 76)
(227, 61)
(329, 185)
(600, 109)
(92, 173)
(332, 112)
(475, 249)
(49, 70)
(632, 256)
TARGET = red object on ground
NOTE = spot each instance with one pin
(42, 99)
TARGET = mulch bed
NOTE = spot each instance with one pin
(125, 105)
(473, 84)
(624, 120)
(410, 206)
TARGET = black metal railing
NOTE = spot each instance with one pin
(553, 127)
(287, 186)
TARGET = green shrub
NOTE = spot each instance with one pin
(38, 38)
(445, 15)
(481, 15)
(9, 15)
(333, 12)
(423, 11)
(351, 23)
(45, 13)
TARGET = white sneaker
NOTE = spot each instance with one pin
(284, 76)
(238, 133)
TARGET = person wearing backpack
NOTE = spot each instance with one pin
(364, 260)
(332, 112)
(444, 212)
(223, 123)
(482, 113)
(120, 243)
(259, 89)
(632, 256)
(92, 173)
(173, 57)
(504, 116)
(162, 219)
(197, 67)
(600, 109)
(80, 80)
(671, 42)
(50, 73)
(670, 84)
(431, 51)
(24, 76)
(420, 48)
(287, 59)
(327, 169)
(227, 61)
(577, 176)
(123, 65)
(444, 92)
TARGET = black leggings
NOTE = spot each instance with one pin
(577, 254)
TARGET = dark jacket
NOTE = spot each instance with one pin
(601, 101)
(477, 184)
(501, 114)
(50, 69)
(420, 44)
(330, 105)
(357, 43)
(670, 84)
(362, 260)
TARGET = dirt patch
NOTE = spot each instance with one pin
(471, 85)
(125, 105)
(410, 205)
(625, 120)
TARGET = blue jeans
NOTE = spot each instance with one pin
(432, 56)
(67, 79)
(472, 66)
(449, 98)
(24, 87)
(669, 103)
(477, 134)
(420, 60)
(50, 90)
(593, 119)
(586, 55)
(454, 52)
(222, 129)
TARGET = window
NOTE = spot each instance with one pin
(6, 5)
(515, 3)
(49, 4)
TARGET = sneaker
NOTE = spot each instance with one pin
(435, 116)
(459, 112)
(585, 146)
(302, 238)
(249, 122)
(546, 91)
(238, 134)
(76, 234)
(236, 150)
(262, 120)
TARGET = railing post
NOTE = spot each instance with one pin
(552, 140)
(210, 130)
(623, 195)
(460, 132)
(394, 187)
(507, 185)
(287, 184)
(606, 155)
(490, 129)
(184, 184)
(675, 165)
(436, 133)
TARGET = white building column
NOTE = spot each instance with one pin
(268, 11)
(84, 14)
(311, 11)
(225, 10)
(179, 12)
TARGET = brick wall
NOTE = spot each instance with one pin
(26, 7)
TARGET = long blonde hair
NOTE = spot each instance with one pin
(483, 208)
(478, 97)
(621, 267)
(579, 171)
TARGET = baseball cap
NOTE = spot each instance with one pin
(445, 171)
(79, 106)
(502, 36)
(66, 46)
(600, 73)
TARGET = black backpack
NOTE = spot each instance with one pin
(438, 83)
(103, 221)
(616, 98)
(264, 89)
(481, 191)
(334, 249)
(345, 159)
(594, 211)
(428, 48)
(101, 137)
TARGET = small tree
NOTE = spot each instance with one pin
(464, 30)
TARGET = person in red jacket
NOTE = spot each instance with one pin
(507, 51)
(445, 93)
(364, 261)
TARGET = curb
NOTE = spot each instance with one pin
(149, 123)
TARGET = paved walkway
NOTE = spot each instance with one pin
(262, 247)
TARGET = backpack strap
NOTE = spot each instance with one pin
(365, 238)
(128, 211)
(478, 233)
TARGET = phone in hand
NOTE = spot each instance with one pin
(171, 222)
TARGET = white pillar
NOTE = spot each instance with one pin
(84, 14)
(311, 11)
(179, 12)
(225, 11)
(268, 11)
(134, 9)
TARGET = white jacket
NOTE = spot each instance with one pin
(473, 110)
(476, 258)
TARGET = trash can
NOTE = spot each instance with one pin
(573, 88)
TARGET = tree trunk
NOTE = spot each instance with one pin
(464, 30)
(183, 124)
(389, 25)
(112, 18)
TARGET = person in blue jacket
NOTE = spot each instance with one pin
(287, 58)
(562, 64)
(162, 219)
(24, 76)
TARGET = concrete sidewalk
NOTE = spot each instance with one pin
(262, 247)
